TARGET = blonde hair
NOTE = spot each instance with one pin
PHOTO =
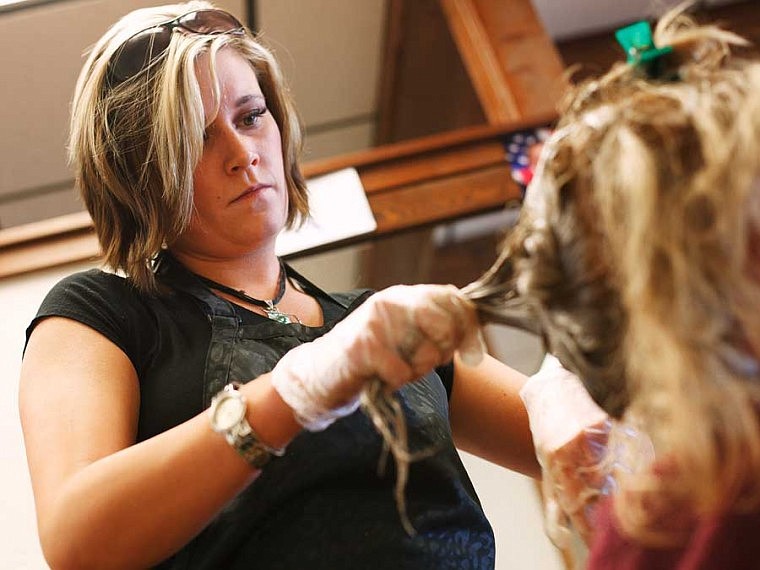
(134, 145)
(672, 169)
(644, 216)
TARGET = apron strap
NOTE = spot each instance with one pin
(221, 314)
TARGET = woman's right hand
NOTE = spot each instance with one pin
(397, 335)
(570, 434)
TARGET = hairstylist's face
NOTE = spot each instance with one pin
(240, 193)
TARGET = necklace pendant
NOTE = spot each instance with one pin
(275, 314)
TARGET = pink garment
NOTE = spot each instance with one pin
(730, 542)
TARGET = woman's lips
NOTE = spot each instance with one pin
(249, 191)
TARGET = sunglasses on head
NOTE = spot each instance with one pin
(142, 49)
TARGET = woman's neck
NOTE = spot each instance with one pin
(256, 273)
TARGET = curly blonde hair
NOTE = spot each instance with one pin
(134, 145)
(637, 251)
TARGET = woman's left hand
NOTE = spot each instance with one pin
(396, 336)
(570, 434)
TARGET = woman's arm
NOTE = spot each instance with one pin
(488, 418)
(102, 501)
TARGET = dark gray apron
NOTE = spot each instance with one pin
(324, 504)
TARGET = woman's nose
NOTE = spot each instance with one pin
(241, 153)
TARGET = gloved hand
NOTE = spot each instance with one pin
(397, 335)
(570, 434)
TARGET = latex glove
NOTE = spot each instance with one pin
(570, 434)
(397, 335)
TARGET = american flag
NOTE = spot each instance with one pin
(518, 146)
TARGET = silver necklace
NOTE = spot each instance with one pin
(269, 305)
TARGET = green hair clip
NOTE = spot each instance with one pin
(639, 47)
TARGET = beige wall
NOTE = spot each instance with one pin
(330, 51)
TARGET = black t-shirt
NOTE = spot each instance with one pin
(323, 505)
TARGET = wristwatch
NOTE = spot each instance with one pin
(227, 415)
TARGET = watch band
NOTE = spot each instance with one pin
(241, 435)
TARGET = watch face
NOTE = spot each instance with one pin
(228, 413)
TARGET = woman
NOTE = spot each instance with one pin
(185, 147)
(637, 250)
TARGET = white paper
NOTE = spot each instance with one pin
(339, 210)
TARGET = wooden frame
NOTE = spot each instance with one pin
(408, 184)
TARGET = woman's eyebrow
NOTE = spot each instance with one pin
(247, 98)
